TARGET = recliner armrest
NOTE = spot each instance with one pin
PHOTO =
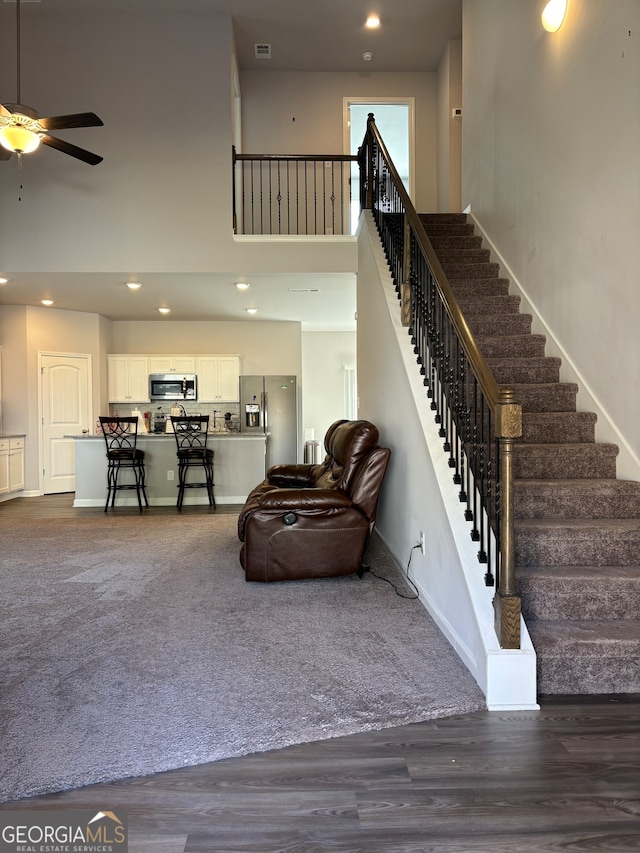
(304, 499)
(291, 476)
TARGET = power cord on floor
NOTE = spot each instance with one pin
(407, 578)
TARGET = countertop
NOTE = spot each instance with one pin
(154, 436)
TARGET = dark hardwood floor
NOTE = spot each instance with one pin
(61, 506)
(565, 778)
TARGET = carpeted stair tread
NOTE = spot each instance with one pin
(468, 270)
(545, 397)
(479, 289)
(576, 498)
(576, 542)
(462, 255)
(529, 371)
(579, 592)
(565, 461)
(557, 427)
(577, 527)
(480, 283)
(429, 219)
(498, 304)
(523, 345)
(502, 324)
(591, 656)
(449, 229)
(464, 241)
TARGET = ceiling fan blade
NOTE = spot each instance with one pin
(72, 150)
(75, 120)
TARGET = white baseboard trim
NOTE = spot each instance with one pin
(128, 501)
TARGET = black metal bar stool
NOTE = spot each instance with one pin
(191, 434)
(121, 435)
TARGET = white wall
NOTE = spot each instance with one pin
(270, 102)
(26, 331)
(324, 357)
(418, 493)
(551, 134)
(162, 90)
(264, 347)
(449, 128)
(161, 199)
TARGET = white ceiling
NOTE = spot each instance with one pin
(319, 302)
(328, 35)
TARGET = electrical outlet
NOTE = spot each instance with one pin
(169, 475)
(422, 542)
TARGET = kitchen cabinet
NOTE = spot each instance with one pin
(16, 464)
(11, 465)
(218, 378)
(128, 378)
(172, 364)
(4, 466)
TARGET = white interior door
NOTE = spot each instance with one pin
(394, 118)
(66, 410)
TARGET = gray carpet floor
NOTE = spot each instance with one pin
(135, 645)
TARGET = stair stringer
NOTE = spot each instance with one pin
(507, 677)
(628, 463)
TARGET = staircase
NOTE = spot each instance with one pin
(577, 527)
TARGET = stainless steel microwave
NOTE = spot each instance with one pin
(173, 386)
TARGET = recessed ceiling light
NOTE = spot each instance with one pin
(134, 285)
(252, 310)
(47, 301)
(164, 310)
(4, 280)
(243, 285)
(373, 22)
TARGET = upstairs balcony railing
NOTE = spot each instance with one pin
(290, 194)
(478, 420)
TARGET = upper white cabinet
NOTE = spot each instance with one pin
(128, 378)
(218, 378)
(172, 364)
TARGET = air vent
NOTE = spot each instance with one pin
(262, 51)
(304, 290)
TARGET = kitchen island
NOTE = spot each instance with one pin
(238, 466)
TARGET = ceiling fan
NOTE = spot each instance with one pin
(22, 129)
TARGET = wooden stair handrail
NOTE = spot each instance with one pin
(507, 412)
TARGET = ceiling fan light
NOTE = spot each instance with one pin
(18, 139)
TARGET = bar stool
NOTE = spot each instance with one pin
(121, 435)
(191, 434)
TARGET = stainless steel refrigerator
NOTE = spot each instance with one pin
(269, 404)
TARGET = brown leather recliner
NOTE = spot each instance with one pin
(313, 521)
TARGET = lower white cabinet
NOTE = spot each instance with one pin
(11, 465)
(4, 466)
